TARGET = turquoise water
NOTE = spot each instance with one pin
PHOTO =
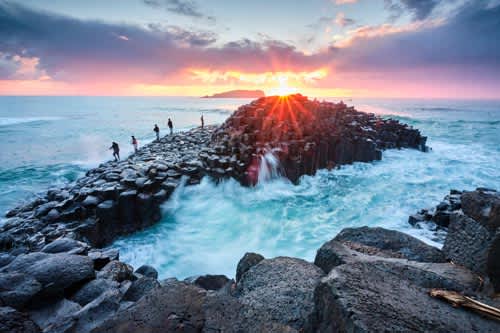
(50, 141)
(207, 228)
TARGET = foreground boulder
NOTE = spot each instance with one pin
(473, 238)
(391, 243)
(281, 290)
(390, 296)
(56, 273)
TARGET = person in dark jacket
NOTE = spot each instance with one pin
(202, 122)
(171, 126)
(116, 151)
(157, 131)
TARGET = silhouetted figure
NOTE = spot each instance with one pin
(134, 143)
(157, 131)
(116, 151)
(171, 126)
(202, 122)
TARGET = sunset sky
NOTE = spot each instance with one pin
(323, 48)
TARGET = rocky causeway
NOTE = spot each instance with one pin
(58, 275)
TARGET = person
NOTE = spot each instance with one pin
(202, 122)
(171, 126)
(116, 151)
(134, 143)
(157, 131)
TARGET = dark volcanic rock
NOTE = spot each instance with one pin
(175, 307)
(473, 238)
(248, 261)
(304, 135)
(390, 243)
(68, 245)
(17, 289)
(281, 290)
(12, 321)
(390, 296)
(210, 282)
(55, 272)
(140, 287)
(92, 290)
(147, 271)
(117, 271)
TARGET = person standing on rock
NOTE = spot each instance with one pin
(170, 126)
(134, 143)
(202, 121)
(116, 151)
(157, 131)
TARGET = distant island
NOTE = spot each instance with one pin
(238, 94)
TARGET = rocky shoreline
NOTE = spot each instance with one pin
(55, 275)
(363, 280)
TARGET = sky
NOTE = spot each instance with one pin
(321, 48)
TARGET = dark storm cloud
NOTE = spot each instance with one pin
(469, 39)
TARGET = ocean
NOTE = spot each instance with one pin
(50, 141)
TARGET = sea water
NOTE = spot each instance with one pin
(207, 228)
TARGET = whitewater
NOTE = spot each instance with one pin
(206, 228)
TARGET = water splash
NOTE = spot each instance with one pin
(269, 168)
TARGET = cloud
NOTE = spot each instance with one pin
(465, 41)
(420, 9)
(343, 21)
(181, 7)
(71, 49)
(462, 50)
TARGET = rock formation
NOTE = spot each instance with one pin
(305, 135)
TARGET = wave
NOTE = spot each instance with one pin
(8, 121)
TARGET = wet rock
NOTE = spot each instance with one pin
(127, 210)
(249, 260)
(148, 271)
(139, 288)
(67, 245)
(103, 257)
(117, 271)
(5, 259)
(390, 296)
(13, 321)
(56, 272)
(395, 243)
(91, 201)
(281, 290)
(17, 289)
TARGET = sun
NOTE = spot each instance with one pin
(283, 88)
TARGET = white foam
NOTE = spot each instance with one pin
(8, 121)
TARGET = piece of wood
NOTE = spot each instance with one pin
(458, 300)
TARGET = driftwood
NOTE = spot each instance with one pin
(459, 300)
